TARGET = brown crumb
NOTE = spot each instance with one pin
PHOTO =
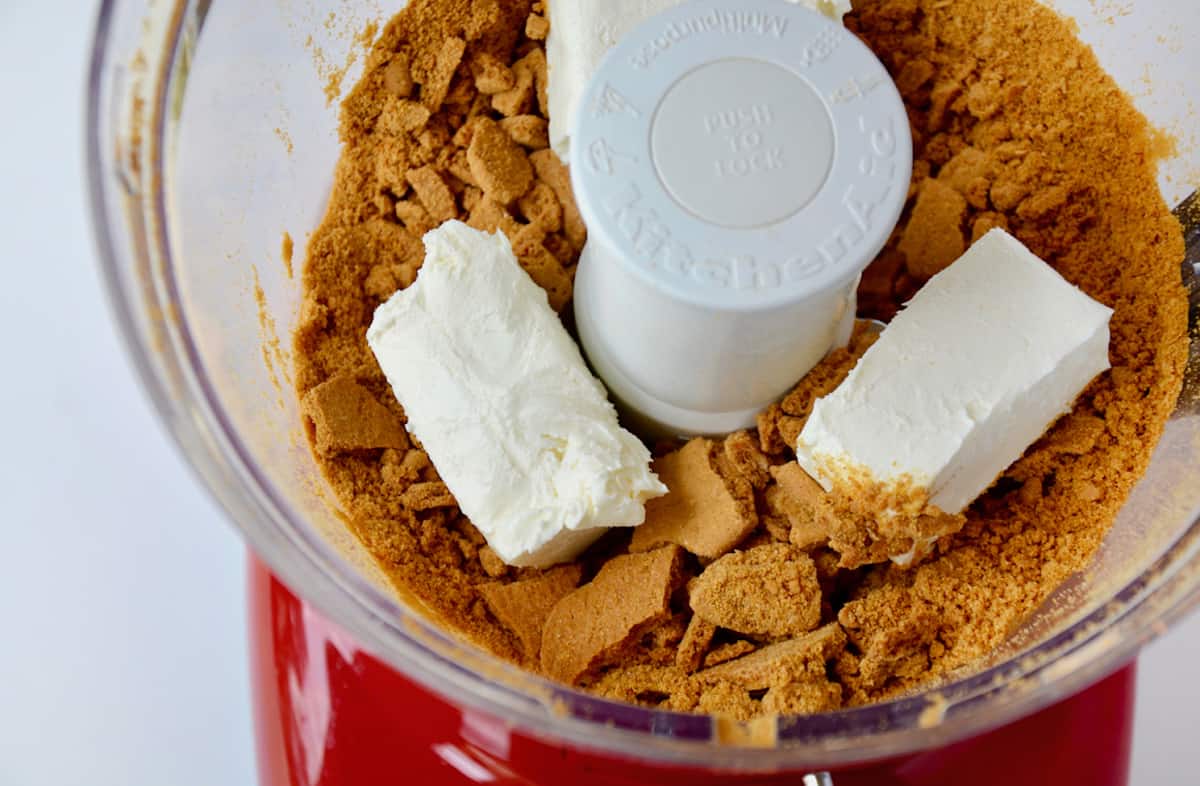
(397, 77)
(695, 643)
(401, 116)
(744, 456)
(519, 100)
(986, 222)
(286, 250)
(492, 565)
(540, 207)
(414, 465)
(1076, 434)
(933, 238)
(862, 536)
(803, 698)
(537, 27)
(702, 512)
(427, 496)
(437, 85)
(660, 644)
(726, 652)
(415, 217)
(794, 660)
(431, 189)
(767, 592)
(969, 173)
(542, 266)
(500, 167)
(805, 504)
(528, 131)
(491, 216)
(667, 687)
(524, 606)
(491, 74)
(345, 416)
(554, 173)
(899, 649)
(460, 168)
(537, 63)
(630, 594)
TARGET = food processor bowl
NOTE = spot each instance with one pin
(212, 133)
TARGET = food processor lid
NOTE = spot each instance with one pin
(741, 159)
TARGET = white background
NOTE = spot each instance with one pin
(122, 651)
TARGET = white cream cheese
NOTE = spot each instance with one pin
(982, 361)
(582, 32)
(498, 394)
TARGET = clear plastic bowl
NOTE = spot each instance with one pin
(210, 135)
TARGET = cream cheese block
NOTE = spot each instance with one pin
(986, 357)
(499, 396)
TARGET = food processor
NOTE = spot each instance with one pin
(212, 142)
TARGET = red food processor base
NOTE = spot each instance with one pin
(328, 713)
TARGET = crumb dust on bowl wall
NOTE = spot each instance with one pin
(261, 109)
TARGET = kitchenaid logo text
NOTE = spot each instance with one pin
(718, 22)
(652, 244)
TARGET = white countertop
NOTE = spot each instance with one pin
(124, 655)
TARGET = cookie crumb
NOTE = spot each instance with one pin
(528, 131)
(345, 416)
(805, 505)
(744, 456)
(766, 592)
(414, 217)
(783, 663)
(401, 116)
(537, 27)
(933, 238)
(434, 194)
(701, 512)
(519, 100)
(726, 652)
(495, 567)
(695, 644)
(1076, 434)
(435, 88)
(523, 606)
(500, 167)
(803, 698)
(491, 74)
(553, 172)
(397, 77)
(428, 496)
(629, 595)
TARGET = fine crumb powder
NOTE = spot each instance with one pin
(286, 252)
(746, 594)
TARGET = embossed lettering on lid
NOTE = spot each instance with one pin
(742, 155)
(742, 143)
